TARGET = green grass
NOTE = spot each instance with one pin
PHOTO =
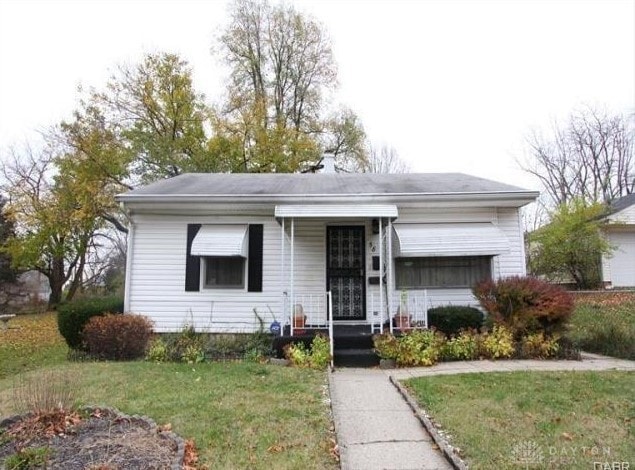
(572, 419)
(32, 341)
(241, 415)
(604, 323)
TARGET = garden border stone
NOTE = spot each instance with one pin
(177, 463)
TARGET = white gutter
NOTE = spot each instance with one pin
(269, 198)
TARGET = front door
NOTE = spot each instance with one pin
(345, 271)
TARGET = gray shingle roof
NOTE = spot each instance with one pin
(332, 184)
(622, 203)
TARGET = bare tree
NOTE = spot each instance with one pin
(591, 157)
(384, 160)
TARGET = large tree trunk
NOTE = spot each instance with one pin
(56, 282)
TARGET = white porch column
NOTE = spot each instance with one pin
(283, 288)
(128, 275)
(381, 275)
(292, 272)
(390, 283)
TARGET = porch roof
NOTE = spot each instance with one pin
(456, 239)
(337, 210)
(220, 240)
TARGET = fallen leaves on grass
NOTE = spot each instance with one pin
(567, 436)
(190, 459)
(275, 449)
(31, 331)
(605, 299)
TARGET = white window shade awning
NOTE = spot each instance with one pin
(337, 210)
(220, 240)
(455, 239)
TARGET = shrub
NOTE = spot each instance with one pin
(539, 345)
(464, 347)
(320, 352)
(386, 346)
(158, 351)
(186, 346)
(451, 319)
(420, 348)
(297, 354)
(317, 356)
(525, 305)
(498, 343)
(73, 316)
(413, 348)
(117, 337)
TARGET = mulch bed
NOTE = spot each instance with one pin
(94, 438)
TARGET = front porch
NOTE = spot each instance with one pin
(336, 267)
(351, 342)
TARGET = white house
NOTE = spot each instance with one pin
(212, 249)
(618, 270)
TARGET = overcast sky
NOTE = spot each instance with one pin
(451, 85)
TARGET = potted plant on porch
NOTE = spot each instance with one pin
(402, 317)
(299, 318)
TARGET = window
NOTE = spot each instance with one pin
(224, 272)
(451, 271)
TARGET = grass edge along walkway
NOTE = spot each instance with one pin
(557, 437)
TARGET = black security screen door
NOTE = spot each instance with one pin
(345, 272)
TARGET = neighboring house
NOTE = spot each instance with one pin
(618, 269)
(212, 249)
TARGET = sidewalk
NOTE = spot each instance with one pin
(376, 429)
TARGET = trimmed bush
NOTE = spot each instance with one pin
(117, 337)
(525, 305)
(538, 345)
(464, 347)
(316, 357)
(451, 319)
(73, 316)
(414, 348)
(498, 343)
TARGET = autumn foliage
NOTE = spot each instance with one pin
(73, 316)
(525, 304)
(117, 337)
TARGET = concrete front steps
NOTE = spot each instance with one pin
(353, 344)
(353, 347)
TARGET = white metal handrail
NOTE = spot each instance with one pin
(308, 312)
(409, 309)
(330, 320)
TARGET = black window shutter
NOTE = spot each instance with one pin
(192, 263)
(254, 278)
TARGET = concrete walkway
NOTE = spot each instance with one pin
(376, 429)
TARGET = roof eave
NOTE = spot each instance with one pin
(275, 198)
(500, 198)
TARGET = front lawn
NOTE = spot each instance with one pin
(534, 419)
(31, 341)
(604, 323)
(241, 415)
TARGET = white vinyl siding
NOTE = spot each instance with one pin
(507, 264)
(157, 269)
(157, 278)
(619, 269)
